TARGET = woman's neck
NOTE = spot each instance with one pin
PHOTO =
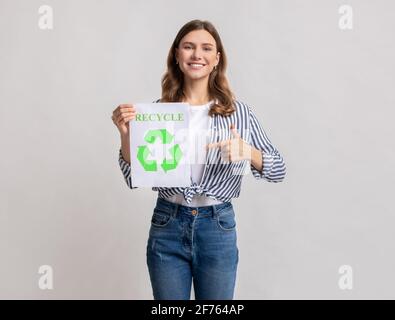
(196, 92)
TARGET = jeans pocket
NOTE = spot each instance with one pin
(226, 220)
(160, 218)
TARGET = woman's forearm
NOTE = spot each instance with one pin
(125, 148)
(256, 158)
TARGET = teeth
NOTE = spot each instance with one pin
(196, 65)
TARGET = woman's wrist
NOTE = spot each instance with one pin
(125, 147)
(124, 137)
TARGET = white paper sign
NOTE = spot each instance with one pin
(159, 145)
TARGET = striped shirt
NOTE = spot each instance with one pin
(222, 181)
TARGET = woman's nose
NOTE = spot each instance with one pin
(196, 54)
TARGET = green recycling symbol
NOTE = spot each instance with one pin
(166, 138)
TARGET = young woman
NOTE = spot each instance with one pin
(193, 230)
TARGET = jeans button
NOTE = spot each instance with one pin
(194, 212)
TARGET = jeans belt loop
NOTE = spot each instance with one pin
(214, 210)
(175, 210)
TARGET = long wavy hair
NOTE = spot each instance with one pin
(218, 86)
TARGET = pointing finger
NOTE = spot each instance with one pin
(217, 144)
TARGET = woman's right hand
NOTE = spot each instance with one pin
(121, 117)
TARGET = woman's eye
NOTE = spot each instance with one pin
(207, 49)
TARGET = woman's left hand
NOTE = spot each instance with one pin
(233, 150)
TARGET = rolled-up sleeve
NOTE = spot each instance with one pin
(273, 165)
(125, 168)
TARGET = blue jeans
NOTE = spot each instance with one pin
(192, 243)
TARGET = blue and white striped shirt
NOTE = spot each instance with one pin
(222, 181)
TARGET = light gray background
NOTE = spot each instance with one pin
(322, 94)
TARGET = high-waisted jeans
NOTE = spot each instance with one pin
(192, 243)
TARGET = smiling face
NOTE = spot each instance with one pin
(197, 54)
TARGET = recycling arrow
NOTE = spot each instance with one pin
(162, 134)
(142, 154)
(166, 138)
(176, 155)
